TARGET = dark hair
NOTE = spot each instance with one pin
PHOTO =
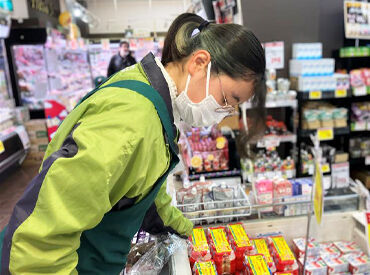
(124, 42)
(235, 51)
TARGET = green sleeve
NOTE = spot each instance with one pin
(80, 182)
(162, 217)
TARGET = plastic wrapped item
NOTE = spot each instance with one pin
(283, 256)
(299, 246)
(240, 243)
(347, 247)
(198, 248)
(358, 263)
(136, 253)
(222, 253)
(328, 248)
(152, 262)
(314, 266)
(192, 197)
(335, 264)
(256, 265)
(262, 248)
(221, 194)
(205, 268)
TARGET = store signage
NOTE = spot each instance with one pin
(367, 220)
(356, 21)
(340, 175)
(274, 52)
(325, 134)
(2, 148)
(315, 95)
(318, 200)
(340, 93)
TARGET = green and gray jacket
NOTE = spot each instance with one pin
(105, 156)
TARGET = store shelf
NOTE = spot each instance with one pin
(337, 132)
(322, 95)
(276, 104)
(219, 174)
(274, 141)
(358, 162)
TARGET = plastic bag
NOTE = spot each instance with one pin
(152, 262)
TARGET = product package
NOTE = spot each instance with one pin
(347, 247)
(222, 253)
(225, 195)
(256, 265)
(262, 248)
(240, 243)
(198, 248)
(299, 244)
(282, 189)
(335, 264)
(205, 268)
(307, 50)
(328, 248)
(265, 193)
(314, 266)
(358, 263)
(283, 256)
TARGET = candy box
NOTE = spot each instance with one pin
(205, 268)
(347, 247)
(283, 256)
(313, 267)
(299, 244)
(282, 189)
(264, 194)
(358, 263)
(198, 248)
(222, 253)
(328, 248)
(256, 265)
(335, 264)
(240, 243)
(284, 273)
(262, 248)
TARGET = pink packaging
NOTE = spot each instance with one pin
(282, 189)
(335, 264)
(299, 244)
(358, 264)
(264, 193)
(314, 266)
(328, 248)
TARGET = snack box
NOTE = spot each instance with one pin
(328, 248)
(198, 249)
(240, 243)
(256, 265)
(262, 248)
(335, 264)
(205, 268)
(283, 256)
(314, 266)
(347, 247)
(284, 273)
(358, 263)
(222, 253)
(299, 244)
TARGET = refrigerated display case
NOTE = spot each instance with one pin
(100, 58)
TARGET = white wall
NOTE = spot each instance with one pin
(136, 13)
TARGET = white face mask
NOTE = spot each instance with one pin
(202, 114)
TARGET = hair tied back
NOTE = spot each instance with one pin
(203, 25)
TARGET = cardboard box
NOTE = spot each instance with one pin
(327, 123)
(341, 157)
(38, 148)
(36, 125)
(311, 125)
(340, 123)
(34, 158)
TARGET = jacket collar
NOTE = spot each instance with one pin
(159, 83)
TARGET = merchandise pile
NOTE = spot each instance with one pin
(230, 250)
(360, 116)
(205, 151)
(321, 114)
(278, 91)
(360, 81)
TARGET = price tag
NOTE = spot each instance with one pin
(274, 53)
(367, 160)
(315, 95)
(325, 168)
(325, 134)
(2, 148)
(340, 93)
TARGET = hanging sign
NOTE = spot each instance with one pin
(318, 200)
(274, 52)
(356, 19)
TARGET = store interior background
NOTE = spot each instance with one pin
(289, 21)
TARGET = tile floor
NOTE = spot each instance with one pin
(12, 185)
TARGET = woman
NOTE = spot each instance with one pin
(103, 173)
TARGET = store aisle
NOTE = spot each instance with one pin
(12, 186)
